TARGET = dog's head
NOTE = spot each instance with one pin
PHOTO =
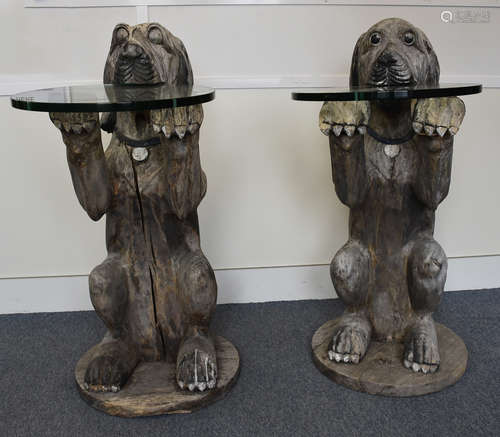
(393, 52)
(146, 54)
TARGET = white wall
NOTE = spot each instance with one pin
(270, 198)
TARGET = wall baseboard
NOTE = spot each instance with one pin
(70, 293)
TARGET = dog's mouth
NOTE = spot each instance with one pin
(390, 70)
(135, 70)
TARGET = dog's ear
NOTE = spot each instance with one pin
(108, 119)
(109, 67)
(354, 74)
(433, 69)
(184, 73)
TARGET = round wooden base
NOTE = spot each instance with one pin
(381, 371)
(152, 388)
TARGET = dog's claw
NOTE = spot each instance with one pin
(337, 129)
(166, 132)
(429, 130)
(180, 131)
(349, 130)
(441, 130)
(417, 127)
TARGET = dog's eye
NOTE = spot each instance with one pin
(409, 38)
(155, 36)
(375, 38)
(121, 34)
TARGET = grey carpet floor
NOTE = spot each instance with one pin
(279, 391)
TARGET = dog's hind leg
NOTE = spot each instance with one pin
(196, 358)
(115, 359)
(350, 273)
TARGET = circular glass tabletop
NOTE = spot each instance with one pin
(111, 98)
(386, 93)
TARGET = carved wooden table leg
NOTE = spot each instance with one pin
(156, 291)
(391, 162)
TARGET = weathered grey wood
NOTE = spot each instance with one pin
(152, 388)
(381, 371)
(391, 272)
(156, 291)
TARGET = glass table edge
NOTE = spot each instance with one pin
(176, 102)
(381, 94)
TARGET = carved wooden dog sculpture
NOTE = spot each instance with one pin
(156, 290)
(391, 272)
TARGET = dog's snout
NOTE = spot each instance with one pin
(134, 65)
(390, 69)
(388, 58)
(132, 50)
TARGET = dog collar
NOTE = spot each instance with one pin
(385, 140)
(154, 141)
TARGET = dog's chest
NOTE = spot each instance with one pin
(391, 170)
(131, 175)
(389, 163)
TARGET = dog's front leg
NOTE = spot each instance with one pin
(345, 124)
(436, 121)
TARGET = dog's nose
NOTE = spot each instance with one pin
(132, 50)
(387, 58)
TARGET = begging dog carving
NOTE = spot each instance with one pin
(391, 272)
(155, 291)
